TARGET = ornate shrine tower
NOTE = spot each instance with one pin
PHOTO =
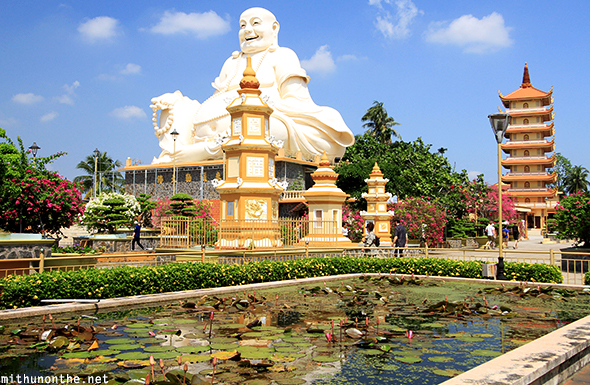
(325, 201)
(529, 150)
(377, 206)
(250, 193)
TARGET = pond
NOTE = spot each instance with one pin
(370, 330)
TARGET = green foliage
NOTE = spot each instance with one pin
(562, 169)
(460, 228)
(297, 184)
(536, 272)
(146, 207)
(108, 179)
(587, 278)
(110, 211)
(412, 169)
(182, 205)
(551, 225)
(379, 124)
(573, 218)
(32, 198)
(576, 180)
(29, 290)
(72, 250)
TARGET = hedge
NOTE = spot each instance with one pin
(29, 290)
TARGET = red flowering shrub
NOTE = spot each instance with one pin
(415, 212)
(573, 218)
(353, 222)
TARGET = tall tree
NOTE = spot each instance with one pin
(576, 180)
(108, 179)
(380, 125)
(563, 167)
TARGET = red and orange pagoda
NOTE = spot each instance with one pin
(530, 151)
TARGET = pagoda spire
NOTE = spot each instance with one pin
(526, 79)
(249, 81)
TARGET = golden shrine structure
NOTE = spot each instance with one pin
(249, 195)
(377, 206)
(529, 151)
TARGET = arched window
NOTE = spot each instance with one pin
(527, 185)
(526, 153)
(527, 200)
(525, 121)
(527, 169)
(526, 136)
(525, 105)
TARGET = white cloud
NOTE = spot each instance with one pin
(347, 57)
(99, 28)
(29, 98)
(202, 25)
(473, 174)
(476, 35)
(70, 89)
(131, 69)
(320, 62)
(128, 112)
(395, 27)
(48, 117)
(65, 99)
(8, 122)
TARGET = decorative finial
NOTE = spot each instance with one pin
(526, 80)
(324, 161)
(249, 80)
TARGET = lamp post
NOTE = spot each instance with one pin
(96, 153)
(174, 134)
(34, 148)
(500, 122)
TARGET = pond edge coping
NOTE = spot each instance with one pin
(547, 360)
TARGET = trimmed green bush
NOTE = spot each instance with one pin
(29, 290)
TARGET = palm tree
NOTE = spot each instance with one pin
(108, 178)
(576, 180)
(379, 124)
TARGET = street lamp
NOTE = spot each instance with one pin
(174, 134)
(34, 148)
(96, 153)
(500, 122)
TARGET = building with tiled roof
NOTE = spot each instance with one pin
(529, 148)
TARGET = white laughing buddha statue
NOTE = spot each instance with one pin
(296, 120)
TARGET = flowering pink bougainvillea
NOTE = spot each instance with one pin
(573, 218)
(415, 212)
(353, 222)
(202, 211)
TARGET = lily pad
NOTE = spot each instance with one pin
(370, 352)
(290, 381)
(225, 355)
(120, 341)
(193, 349)
(124, 347)
(192, 358)
(432, 325)
(483, 335)
(408, 359)
(224, 346)
(441, 359)
(486, 353)
(389, 367)
(470, 339)
(140, 325)
(165, 355)
(325, 358)
(76, 355)
(447, 372)
(157, 348)
(104, 352)
(132, 356)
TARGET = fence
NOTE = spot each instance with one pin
(573, 265)
(284, 232)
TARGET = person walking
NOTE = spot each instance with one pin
(370, 238)
(400, 237)
(491, 233)
(516, 234)
(136, 236)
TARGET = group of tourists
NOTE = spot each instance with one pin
(400, 236)
(490, 231)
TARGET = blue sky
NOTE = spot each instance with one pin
(79, 75)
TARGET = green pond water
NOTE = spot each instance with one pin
(293, 335)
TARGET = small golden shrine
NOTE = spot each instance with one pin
(250, 193)
(325, 201)
(377, 206)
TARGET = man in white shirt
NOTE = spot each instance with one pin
(491, 232)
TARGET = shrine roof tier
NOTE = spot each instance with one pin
(529, 160)
(529, 144)
(527, 94)
(533, 193)
(545, 113)
(545, 129)
(529, 177)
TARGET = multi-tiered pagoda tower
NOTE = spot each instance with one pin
(529, 151)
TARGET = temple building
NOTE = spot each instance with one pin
(530, 144)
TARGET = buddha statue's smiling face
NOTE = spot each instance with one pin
(259, 30)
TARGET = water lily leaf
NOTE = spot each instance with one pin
(280, 357)
(290, 381)
(432, 325)
(257, 381)
(157, 348)
(104, 352)
(226, 355)
(132, 356)
(325, 358)
(470, 339)
(130, 364)
(119, 341)
(224, 346)
(222, 340)
(370, 352)
(192, 358)
(483, 335)
(165, 355)
(73, 345)
(256, 354)
(441, 359)
(193, 349)
(59, 342)
(447, 372)
(94, 345)
(486, 353)
(76, 355)
(408, 359)
(124, 347)
(232, 326)
(148, 341)
(140, 325)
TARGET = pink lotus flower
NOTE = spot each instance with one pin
(409, 334)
